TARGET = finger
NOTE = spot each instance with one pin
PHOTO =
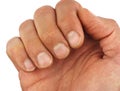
(49, 33)
(69, 23)
(35, 49)
(103, 30)
(18, 55)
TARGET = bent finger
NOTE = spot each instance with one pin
(34, 48)
(68, 22)
(18, 55)
(49, 33)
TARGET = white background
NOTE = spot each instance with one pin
(14, 12)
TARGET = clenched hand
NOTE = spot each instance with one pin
(67, 49)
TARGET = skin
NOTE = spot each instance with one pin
(91, 64)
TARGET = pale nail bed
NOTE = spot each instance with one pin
(44, 60)
(29, 65)
(74, 39)
(61, 50)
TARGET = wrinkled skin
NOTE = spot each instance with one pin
(95, 66)
(83, 70)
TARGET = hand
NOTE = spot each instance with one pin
(93, 66)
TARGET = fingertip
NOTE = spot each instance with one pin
(16, 52)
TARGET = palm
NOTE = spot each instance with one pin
(82, 70)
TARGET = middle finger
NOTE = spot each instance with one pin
(49, 33)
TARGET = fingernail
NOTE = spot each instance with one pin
(44, 60)
(61, 51)
(29, 65)
(74, 39)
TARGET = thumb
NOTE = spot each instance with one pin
(106, 31)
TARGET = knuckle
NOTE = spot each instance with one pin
(67, 25)
(109, 22)
(44, 10)
(24, 25)
(10, 47)
(59, 4)
(113, 21)
(69, 3)
(76, 4)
